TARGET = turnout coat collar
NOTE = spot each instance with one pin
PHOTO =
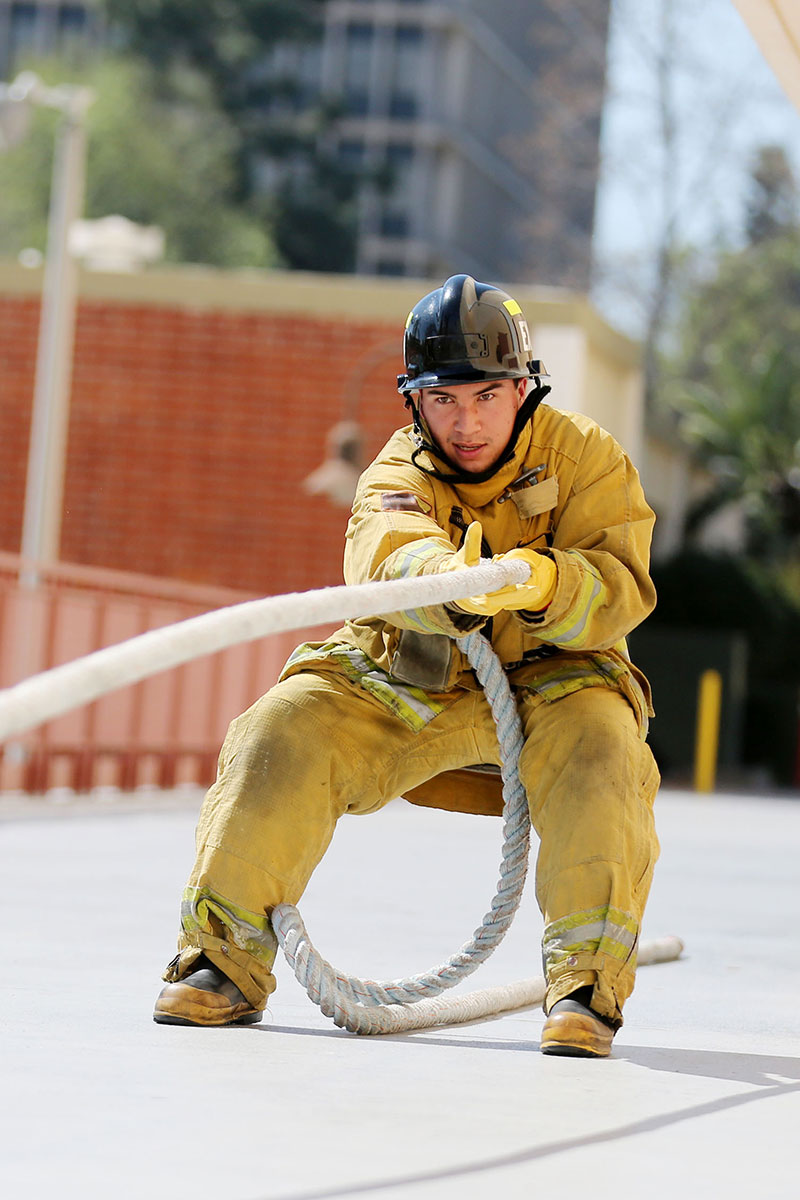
(478, 495)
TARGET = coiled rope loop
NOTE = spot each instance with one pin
(364, 1005)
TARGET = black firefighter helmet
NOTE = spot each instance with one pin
(467, 332)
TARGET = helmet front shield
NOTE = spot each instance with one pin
(465, 332)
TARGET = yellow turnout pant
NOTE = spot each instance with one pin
(317, 746)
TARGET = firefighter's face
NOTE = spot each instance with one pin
(472, 422)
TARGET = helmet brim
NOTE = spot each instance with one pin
(443, 378)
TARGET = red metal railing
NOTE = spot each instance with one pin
(160, 732)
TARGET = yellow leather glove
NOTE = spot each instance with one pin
(535, 594)
(470, 553)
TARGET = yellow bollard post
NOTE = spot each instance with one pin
(706, 747)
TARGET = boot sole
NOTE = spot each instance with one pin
(246, 1019)
(568, 1051)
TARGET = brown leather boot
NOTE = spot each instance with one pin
(573, 1028)
(204, 997)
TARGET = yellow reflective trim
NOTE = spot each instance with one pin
(408, 318)
(512, 307)
(601, 912)
(573, 630)
(598, 931)
(250, 931)
(410, 703)
(410, 560)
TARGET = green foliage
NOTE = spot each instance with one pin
(310, 198)
(773, 206)
(736, 384)
(160, 152)
(221, 40)
(735, 379)
(25, 173)
(315, 226)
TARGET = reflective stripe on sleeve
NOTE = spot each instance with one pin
(409, 562)
(572, 631)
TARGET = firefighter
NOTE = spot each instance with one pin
(390, 707)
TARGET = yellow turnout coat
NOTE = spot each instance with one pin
(584, 504)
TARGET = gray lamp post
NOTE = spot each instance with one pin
(44, 490)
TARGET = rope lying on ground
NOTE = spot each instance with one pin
(64, 688)
(362, 1006)
(399, 1005)
(503, 998)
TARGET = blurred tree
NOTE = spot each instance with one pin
(225, 42)
(287, 173)
(773, 206)
(168, 162)
(560, 154)
(677, 115)
(315, 220)
(736, 377)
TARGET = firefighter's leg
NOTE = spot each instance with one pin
(315, 747)
(591, 781)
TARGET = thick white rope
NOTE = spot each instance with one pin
(367, 1006)
(52, 693)
(503, 998)
(363, 1006)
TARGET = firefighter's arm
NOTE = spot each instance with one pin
(392, 534)
(600, 551)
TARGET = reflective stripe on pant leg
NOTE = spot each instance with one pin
(313, 748)
(603, 930)
(238, 942)
(590, 782)
(287, 770)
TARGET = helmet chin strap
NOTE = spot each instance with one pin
(424, 443)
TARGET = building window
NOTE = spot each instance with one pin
(400, 162)
(22, 29)
(400, 156)
(307, 70)
(403, 102)
(394, 223)
(390, 266)
(74, 33)
(72, 20)
(358, 61)
(394, 219)
(351, 154)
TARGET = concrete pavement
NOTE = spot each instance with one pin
(701, 1097)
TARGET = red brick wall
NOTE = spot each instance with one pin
(190, 434)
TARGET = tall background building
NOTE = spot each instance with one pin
(42, 27)
(475, 127)
(484, 120)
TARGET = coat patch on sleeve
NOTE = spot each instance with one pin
(403, 502)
